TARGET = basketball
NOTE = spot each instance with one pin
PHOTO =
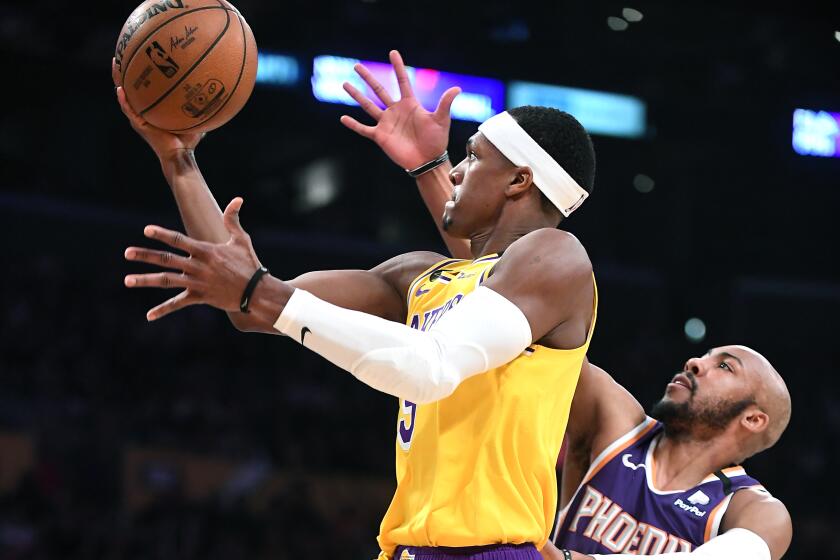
(186, 65)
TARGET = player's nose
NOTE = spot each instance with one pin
(455, 176)
(694, 365)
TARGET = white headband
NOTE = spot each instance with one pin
(504, 132)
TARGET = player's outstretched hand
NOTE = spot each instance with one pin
(165, 144)
(211, 273)
(409, 134)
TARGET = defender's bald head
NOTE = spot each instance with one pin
(771, 393)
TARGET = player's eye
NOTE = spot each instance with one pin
(724, 365)
(471, 155)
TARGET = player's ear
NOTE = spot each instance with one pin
(755, 420)
(521, 179)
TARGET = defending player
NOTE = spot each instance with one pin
(642, 487)
(477, 434)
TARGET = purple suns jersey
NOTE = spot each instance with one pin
(617, 509)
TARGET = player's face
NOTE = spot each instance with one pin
(719, 372)
(480, 180)
(710, 392)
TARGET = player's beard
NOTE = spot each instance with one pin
(699, 421)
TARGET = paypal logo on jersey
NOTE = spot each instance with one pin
(699, 498)
(691, 509)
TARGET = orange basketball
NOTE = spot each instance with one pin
(186, 65)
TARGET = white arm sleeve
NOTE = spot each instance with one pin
(484, 331)
(735, 544)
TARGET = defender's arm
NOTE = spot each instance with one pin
(602, 411)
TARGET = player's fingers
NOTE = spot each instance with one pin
(176, 239)
(133, 117)
(126, 108)
(160, 258)
(182, 300)
(369, 106)
(357, 127)
(402, 75)
(115, 74)
(231, 217)
(445, 103)
(164, 280)
(374, 84)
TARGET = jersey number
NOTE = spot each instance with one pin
(405, 427)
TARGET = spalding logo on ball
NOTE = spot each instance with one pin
(186, 65)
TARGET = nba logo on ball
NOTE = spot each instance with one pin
(162, 60)
(186, 66)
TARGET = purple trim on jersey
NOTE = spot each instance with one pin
(525, 551)
(617, 510)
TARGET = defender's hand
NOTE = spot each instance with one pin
(406, 132)
(165, 144)
(212, 273)
(551, 552)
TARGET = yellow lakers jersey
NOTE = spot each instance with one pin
(478, 467)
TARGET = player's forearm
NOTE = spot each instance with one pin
(200, 213)
(482, 332)
(199, 210)
(436, 190)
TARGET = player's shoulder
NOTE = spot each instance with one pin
(755, 503)
(401, 270)
(756, 510)
(419, 260)
(548, 242)
(755, 497)
(551, 237)
(554, 251)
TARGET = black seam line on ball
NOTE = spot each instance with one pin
(126, 63)
(195, 64)
(235, 86)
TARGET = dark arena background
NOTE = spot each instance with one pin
(712, 222)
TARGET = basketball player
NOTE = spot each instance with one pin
(467, 345)
(668, 487)
(638, 486)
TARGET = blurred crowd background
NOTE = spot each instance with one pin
(186, 439)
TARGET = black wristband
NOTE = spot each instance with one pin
(426, 167)
(249, 289)
(566, 554)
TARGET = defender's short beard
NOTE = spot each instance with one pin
(682, 421)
